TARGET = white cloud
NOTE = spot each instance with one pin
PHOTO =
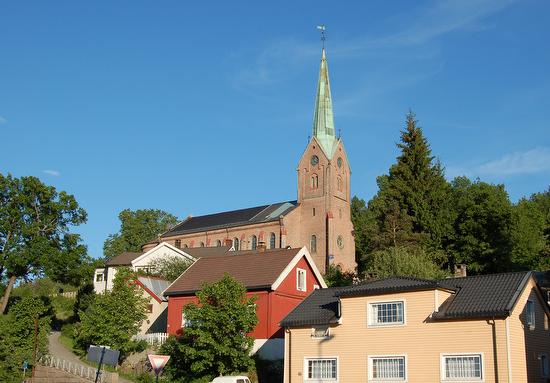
(54, 173)
(518, 163)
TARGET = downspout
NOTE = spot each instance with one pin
(495, 351)
(508, 351)
(289, 354)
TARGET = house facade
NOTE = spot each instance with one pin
(319, 219)
(491, 328)
(104, 276)
(279, 279)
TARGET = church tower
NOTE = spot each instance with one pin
(324, 187)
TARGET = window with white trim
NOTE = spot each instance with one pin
(99, 277)
(322, 369)
(321, 332)
(530, 314)
(461, 367)
(301, 280)
(387, 368)
(386, 313)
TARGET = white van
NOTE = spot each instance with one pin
(231, 379)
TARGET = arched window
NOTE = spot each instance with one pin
(218, 243)
(236, 243)
(185, 245)
(177, 243)
(272, 241)
(313, 244)
(314, 181)
(254, 242)
(202, 244)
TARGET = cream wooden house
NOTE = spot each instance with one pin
(491, 328)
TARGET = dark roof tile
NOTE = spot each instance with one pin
(123, 259)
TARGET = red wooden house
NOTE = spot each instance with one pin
(279, 278)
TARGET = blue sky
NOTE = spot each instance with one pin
(202, 107)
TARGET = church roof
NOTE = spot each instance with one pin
(249, 216)
(323, 118)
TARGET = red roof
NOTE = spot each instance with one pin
(256, 270)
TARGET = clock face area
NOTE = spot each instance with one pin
(314, 160)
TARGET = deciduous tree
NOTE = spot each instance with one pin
(35, 238)
(215, 342)
(137, 228)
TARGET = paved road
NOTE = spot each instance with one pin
(60, 351)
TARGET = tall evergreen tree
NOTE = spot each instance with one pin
(412, 205)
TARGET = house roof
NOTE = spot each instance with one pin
(255, 269)
(481, 296)
(390, 285)
(202, 252)
(123, 259)
(319, 308)
(258, 214)
(154, 286)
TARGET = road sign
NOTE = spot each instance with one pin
(101, 354)
(158, 362)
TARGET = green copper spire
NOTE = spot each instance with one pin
(323, 120)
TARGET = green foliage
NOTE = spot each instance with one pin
(17, 335)
(84, 299)
(169, 268)
(137, 228)
(113, 317)
(401, 261)
(482, 227)
(34, 232)
(215, 343)
(336, 277)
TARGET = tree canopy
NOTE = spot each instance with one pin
(420, 224)
(35, 237)
(137, 228)
(215, 341)
(113, 318)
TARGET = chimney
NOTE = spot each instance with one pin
(460, 270)
(261, 247)
(228, 242)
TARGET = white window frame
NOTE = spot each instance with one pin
(530, 314)
(315, 380)
(442, 365)
(102, 277)
(326, 334)
(371, 318)
(298, 272)
(370, 369)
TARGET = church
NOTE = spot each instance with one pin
(320, 217)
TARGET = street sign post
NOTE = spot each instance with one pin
(101, 355)
(158, 362)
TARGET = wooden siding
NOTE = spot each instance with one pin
(421, 340)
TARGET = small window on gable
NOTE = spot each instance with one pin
(218, 243)
(313, 244)
(272, 239)
(301, 280)
(530, 314)
(314, 181)
(99, 277)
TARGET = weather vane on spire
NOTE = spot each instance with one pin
(322, 29)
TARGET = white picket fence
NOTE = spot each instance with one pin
(155, 338)
(77, 369)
